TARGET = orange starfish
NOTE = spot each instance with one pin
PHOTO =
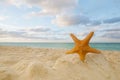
(82, 46)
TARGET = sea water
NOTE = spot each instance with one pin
(102, 46)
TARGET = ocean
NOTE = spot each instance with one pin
(101, 46)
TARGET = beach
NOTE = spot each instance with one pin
(27, 63)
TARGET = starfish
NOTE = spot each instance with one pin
(82, 46)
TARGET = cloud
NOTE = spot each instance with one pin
(11, 2)
(36, 33)
(44, 33)
(39, 29)
(40, 33)
(113, 33)
(77, 19)
(6, 33)
(47, 6)
(53, 6)
(112, 20)
(38, 14)
(59, 8)
(2, 32)
(2, 18)
(4, 1)
(95, 23)
(112, 30)
(71, 19)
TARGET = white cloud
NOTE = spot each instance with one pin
(71, 19)
(38, 33)
(38, 14)
(2, 18)
(16, 3)
(111, 32)
(47, 6)
(37, 29)
(53, 6)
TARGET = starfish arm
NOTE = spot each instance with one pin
(75, 39)
(87, 39)
(82, 56)
(70, 51)
(93, 50)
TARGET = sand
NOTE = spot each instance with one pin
(23, 63)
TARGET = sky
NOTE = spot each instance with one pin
(54, 20)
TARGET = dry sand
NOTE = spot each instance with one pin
(22, 63)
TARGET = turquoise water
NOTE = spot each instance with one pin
(102, 46)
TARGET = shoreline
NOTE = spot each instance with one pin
(101, 46)
(18, 63)
(49, 48)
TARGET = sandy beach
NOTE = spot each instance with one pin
(24, 63)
